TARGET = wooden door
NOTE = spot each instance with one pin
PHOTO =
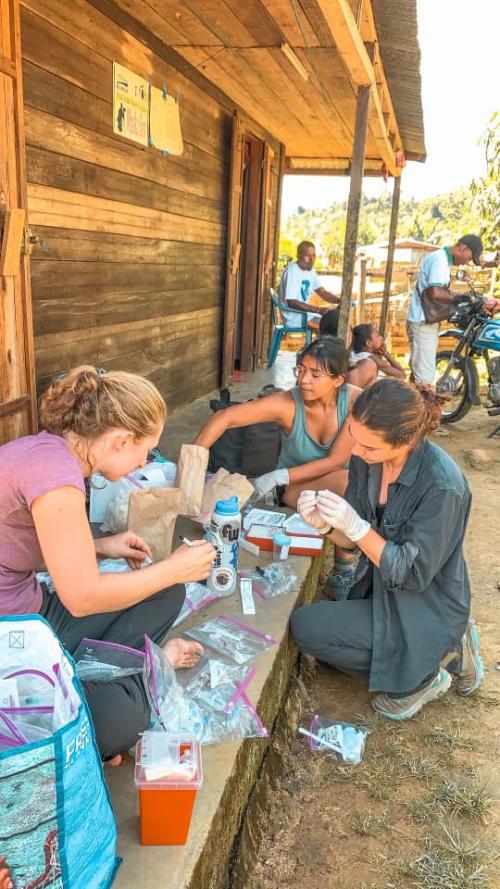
(17, 382)
(266, 252)
(233, 252)
(251, 254)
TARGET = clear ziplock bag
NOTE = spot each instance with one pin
(223, 697)
(342, 739)
(230, 681)
(231, 638)
(273, 580)
(31, 723)
(101, 661)
(197, 595)
(171, 708)
(241, 721)
(117, 511)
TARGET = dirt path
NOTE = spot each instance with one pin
(423, 809)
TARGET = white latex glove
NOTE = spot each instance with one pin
(269, 480)
(308, 510)
(340, 515)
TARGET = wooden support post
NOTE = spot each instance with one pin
(390, 255)
(362, 290)
(353, 208)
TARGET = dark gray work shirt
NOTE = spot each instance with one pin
(421, 591)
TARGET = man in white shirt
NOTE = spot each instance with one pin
(434, 275)
(298, 283)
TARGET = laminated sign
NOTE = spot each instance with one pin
(130, 104)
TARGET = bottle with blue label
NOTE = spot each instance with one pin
(224, 535)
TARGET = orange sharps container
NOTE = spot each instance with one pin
(166, 801)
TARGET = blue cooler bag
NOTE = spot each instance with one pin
(57, 828)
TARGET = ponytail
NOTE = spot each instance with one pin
(88, 402)
(403, 413)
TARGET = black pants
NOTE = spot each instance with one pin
(120, 709)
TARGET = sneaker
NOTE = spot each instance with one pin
(471, 670)
(340, 582)
(405, 708)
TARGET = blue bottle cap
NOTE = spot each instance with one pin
(282, 540)
(230, 506)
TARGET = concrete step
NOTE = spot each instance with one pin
(230, 769)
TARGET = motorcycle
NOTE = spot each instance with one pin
(477, 334)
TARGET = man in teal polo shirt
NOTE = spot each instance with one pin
(434, 275)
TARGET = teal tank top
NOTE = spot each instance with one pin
(299, 447)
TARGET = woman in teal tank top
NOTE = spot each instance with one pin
(315, 440)
(299, 446)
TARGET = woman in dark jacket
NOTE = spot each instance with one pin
(406, 508)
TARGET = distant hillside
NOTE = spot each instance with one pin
(440, 220)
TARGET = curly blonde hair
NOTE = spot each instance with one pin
(89, 402)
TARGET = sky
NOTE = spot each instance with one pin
(460, 69)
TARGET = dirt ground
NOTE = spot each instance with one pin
(423, 808)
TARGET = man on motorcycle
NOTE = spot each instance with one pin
(434, 280)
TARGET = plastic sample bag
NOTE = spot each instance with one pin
(216, 685)
(273, 580)
(240, 721)
(105, 661)
(52, 787)
(197, 595)
(171, 708)
(117, 511)
(342, 739)
(231, 638)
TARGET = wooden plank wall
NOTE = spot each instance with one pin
(130, 272)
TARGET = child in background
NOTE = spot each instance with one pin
(369, 355)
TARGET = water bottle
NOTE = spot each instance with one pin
(224, 535)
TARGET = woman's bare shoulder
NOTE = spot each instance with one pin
(354, 391)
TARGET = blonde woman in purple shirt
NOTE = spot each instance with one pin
(92, 422)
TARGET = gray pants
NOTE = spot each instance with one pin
(340, 634)
(120, 709)
(337, 633)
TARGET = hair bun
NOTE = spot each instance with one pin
(89, 401)
(83, 380)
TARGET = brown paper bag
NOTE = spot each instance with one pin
(220, 487)
(152, 514)
(190, 478)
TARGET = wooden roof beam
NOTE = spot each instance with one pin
(354, 54)
(329, 166)
(369, 34)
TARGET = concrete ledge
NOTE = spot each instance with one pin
(230, 769)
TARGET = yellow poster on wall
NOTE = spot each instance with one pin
(164, 122)
(130, 104)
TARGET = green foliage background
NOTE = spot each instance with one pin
(438, 220)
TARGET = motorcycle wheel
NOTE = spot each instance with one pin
(460, 404)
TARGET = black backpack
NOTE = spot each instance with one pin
(250, 450)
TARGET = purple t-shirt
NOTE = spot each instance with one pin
(29, 467)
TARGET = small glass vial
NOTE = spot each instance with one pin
(281, 546)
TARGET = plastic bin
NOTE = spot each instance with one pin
(166, 804)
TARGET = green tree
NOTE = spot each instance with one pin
(486, 190)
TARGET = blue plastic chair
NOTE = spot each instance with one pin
(280, 328)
